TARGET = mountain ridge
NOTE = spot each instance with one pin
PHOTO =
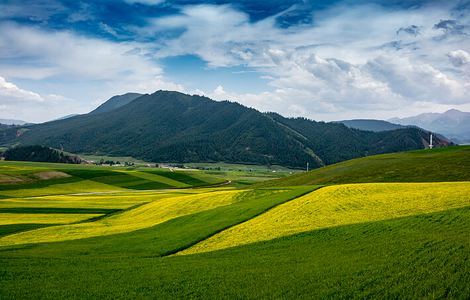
(453, 123)
(174, 127)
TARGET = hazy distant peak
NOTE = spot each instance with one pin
(116, 102)
(12, 122)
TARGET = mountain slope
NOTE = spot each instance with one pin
(174, 127)
(371, 125)
(453, 124)
(116, 102)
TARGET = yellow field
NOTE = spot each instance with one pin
(341, 205)
(109, 201)
(147, 215)
(9, 219)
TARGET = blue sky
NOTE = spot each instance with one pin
(325, 60)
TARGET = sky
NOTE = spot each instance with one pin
(320, 59)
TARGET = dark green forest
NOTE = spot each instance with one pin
(39, 154)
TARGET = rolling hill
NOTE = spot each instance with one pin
(436, 165)
(174, 127)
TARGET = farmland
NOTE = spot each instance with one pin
(375, 227)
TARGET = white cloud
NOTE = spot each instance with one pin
(459, 57)
(65, 53)
(87, 70)
(31, 106)
(353, 60)
(9, 92)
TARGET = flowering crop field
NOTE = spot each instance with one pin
(340, 205)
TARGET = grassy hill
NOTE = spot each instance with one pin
(444, 164)
(174, 127)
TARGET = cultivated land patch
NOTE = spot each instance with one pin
(144, 216)
(341, 205)
(43, 218)
(51, 175)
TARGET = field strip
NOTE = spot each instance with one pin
(90, 201)
(144, 216)
(62, 188)
(157, 178)
(39, 218)
(340, 205)
(248, 215)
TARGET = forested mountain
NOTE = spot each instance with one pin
(371, 125)
(174, 127)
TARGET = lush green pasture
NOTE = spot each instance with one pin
(439, 164)
(27, 179)
(74, 231)
(422, 256)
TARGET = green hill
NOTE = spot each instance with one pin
(444, 164)
(174, 127)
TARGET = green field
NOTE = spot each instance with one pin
(388, 226)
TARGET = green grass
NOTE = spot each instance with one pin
(389, 240)
(440, 164)
(15, 228)
(424, 256)
(85, 178)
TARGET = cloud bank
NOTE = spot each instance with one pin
(349, 59)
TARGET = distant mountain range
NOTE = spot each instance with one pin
(453, 123)
(12, 122)
(371, 125)
(174, 127)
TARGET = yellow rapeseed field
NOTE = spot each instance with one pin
(109, 201)
(147, 215)
(14, 218)
(341, 205)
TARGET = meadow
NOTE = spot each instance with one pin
(69, 231)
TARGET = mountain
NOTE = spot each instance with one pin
(66, 117)
(371, 125)
(116, 102)
(12, 122)
(453, 123)
(174, 127)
